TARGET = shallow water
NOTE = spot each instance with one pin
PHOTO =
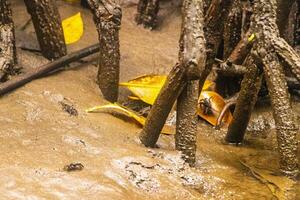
(38, 138)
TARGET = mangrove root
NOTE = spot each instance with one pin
(8, 57)
(107, 18)
(48, 28)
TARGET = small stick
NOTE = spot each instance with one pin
(22, 28)
(223, 112)
(45, 69)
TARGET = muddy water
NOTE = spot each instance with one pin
(38, 138)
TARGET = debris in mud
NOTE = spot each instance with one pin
(278, 186)
(139, 174)
(115, 107)
(73, 167)
(69, 109)
(150, 174)
(260, 126)
(144, 166)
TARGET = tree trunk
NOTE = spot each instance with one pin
(232, 28)
(288, 55)
(8, 57)
(297, 25)
(245, 103)
(268, 38)
(147, 11)
(186, 122)
(267, 48)
(192, 48)
(268, 45)
(214, 28)
(84, 3)
(47, 24)
(107, 18)
(162, 106)
(141, 8)
(192, 61)
(283, 10)
(282, 112)
(226, 86)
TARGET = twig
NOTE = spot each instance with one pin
(45, 69)
(23, 27)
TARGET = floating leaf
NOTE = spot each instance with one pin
(167, 129)
(147, 87)
(210, 105)
(73, 28)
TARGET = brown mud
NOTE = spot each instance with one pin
(38, 137)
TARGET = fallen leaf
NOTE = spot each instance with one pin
(73, 28)
(167, 129)
(210, 105)
(147, 87)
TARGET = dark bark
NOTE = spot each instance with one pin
(246, 14)
(192, 57)
(269, 45)
(245, 103)
(232, 66)
(186, 122)
(288, 55)
(232, 28)
(297, 25)
(45, 69)
(84, 4)
(107, 18)
(47, 24)
(206, 4)
(192, 60)
(283, 10)
(162, 106)
(141, 8)
(282, 112)
(8, 57)
(214, 28)
(231, 70)
(226, 86)
(241, 50)
(240, 70)
(147, 11)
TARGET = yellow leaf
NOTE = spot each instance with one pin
(169, 130)
(73, 28)
(147, 87)
(210, 105)
(251, 37)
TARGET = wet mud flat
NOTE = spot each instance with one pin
(44, 127)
